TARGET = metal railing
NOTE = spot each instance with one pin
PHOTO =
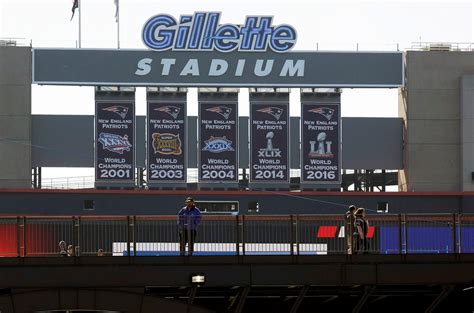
(234, 235)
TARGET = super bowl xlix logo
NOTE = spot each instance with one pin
(269, 151)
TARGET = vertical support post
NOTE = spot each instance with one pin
(384, 180)
(34, 178)
(237, 234)
(400, 236)
(297, 237)
(405, 229)
(18, 235)
(77, 234)
(39, 178)
(243, 235)
(134, 234)
(128, 235)
(460, 233)
(292, 236)
(24, 236)
(454, 232)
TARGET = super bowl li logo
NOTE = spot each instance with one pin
(114, 143)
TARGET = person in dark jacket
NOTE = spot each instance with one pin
(361, 230)
(349, 228)
(189, 218)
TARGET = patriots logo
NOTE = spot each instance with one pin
(120, 110)
(171, 110)
(326, 112)
(275, 112)
(222, 110)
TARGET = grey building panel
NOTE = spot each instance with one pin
(192, 141)
(295, 150)
(244, 142)
(372, 143)
(333, 69)
(140, 141)
(437, 118)
(62, 141)
(15, 117)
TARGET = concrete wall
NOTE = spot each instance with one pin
(46, 202)
(467, 132)
(433, 111)
(15, 117)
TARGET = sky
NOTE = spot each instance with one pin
(374, 25)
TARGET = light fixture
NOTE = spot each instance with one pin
(207, 89)
(198, 279)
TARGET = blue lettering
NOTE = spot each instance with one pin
(198, 26)
(202, 31)
(183, 32)
(283, 38)
(211, 26)
(226, 38)
(158, 32)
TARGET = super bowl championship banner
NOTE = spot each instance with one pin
(166, 142)
(115, 141)
(218, 142)
(320, 143)
(269, 130)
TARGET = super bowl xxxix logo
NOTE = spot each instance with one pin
(217, 145)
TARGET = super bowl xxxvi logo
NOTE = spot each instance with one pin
(166, 143)
(114, 143)
(218, 145)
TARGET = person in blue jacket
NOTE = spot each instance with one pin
(189, 218)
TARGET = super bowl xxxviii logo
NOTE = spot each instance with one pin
(166, 143)
(114, 143)
(217, 145)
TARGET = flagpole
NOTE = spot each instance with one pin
(79, 8)
(118, 24)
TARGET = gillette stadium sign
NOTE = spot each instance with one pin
(197, 50)
(202, 32)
